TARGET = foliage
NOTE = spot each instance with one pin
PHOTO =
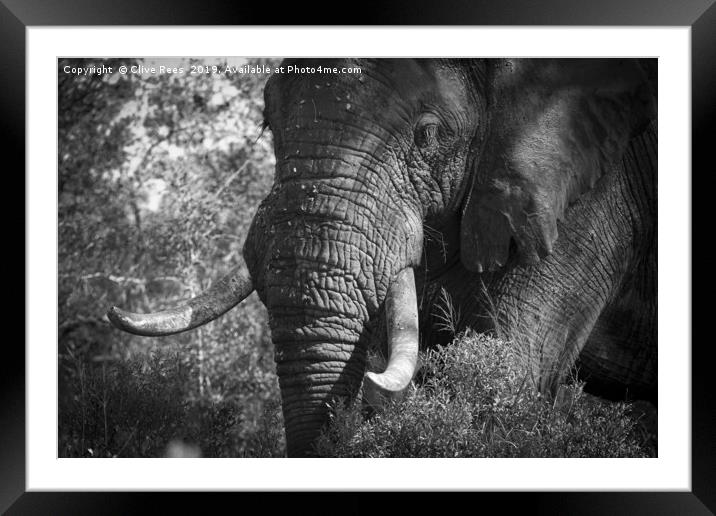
(138, 407)
(159, 177)
(474, 399)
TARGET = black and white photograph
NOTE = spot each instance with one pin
(357, 257)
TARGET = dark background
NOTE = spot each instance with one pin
(700, 15)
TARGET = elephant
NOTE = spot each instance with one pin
(525, 189)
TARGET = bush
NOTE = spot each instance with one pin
(159, 178)
(149, 405)
(473, 399)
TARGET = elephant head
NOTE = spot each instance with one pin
(490, 151)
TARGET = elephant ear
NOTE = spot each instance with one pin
(554, 127)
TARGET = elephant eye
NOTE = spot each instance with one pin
(426, 135)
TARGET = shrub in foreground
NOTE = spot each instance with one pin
(146, 407)
(473, 399)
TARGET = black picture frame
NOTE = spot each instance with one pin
(17, 15)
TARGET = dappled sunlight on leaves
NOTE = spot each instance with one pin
(159, 178)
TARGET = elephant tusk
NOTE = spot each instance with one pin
(401, 306)
(221, 297)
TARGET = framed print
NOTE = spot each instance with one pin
(358, 214)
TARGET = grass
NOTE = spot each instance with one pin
(171, 396)
(470, 399)
(474, 399)
(144, 408)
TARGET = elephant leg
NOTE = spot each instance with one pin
(615, 363)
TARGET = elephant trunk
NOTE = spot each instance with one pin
(311, 376)
(320, 357)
